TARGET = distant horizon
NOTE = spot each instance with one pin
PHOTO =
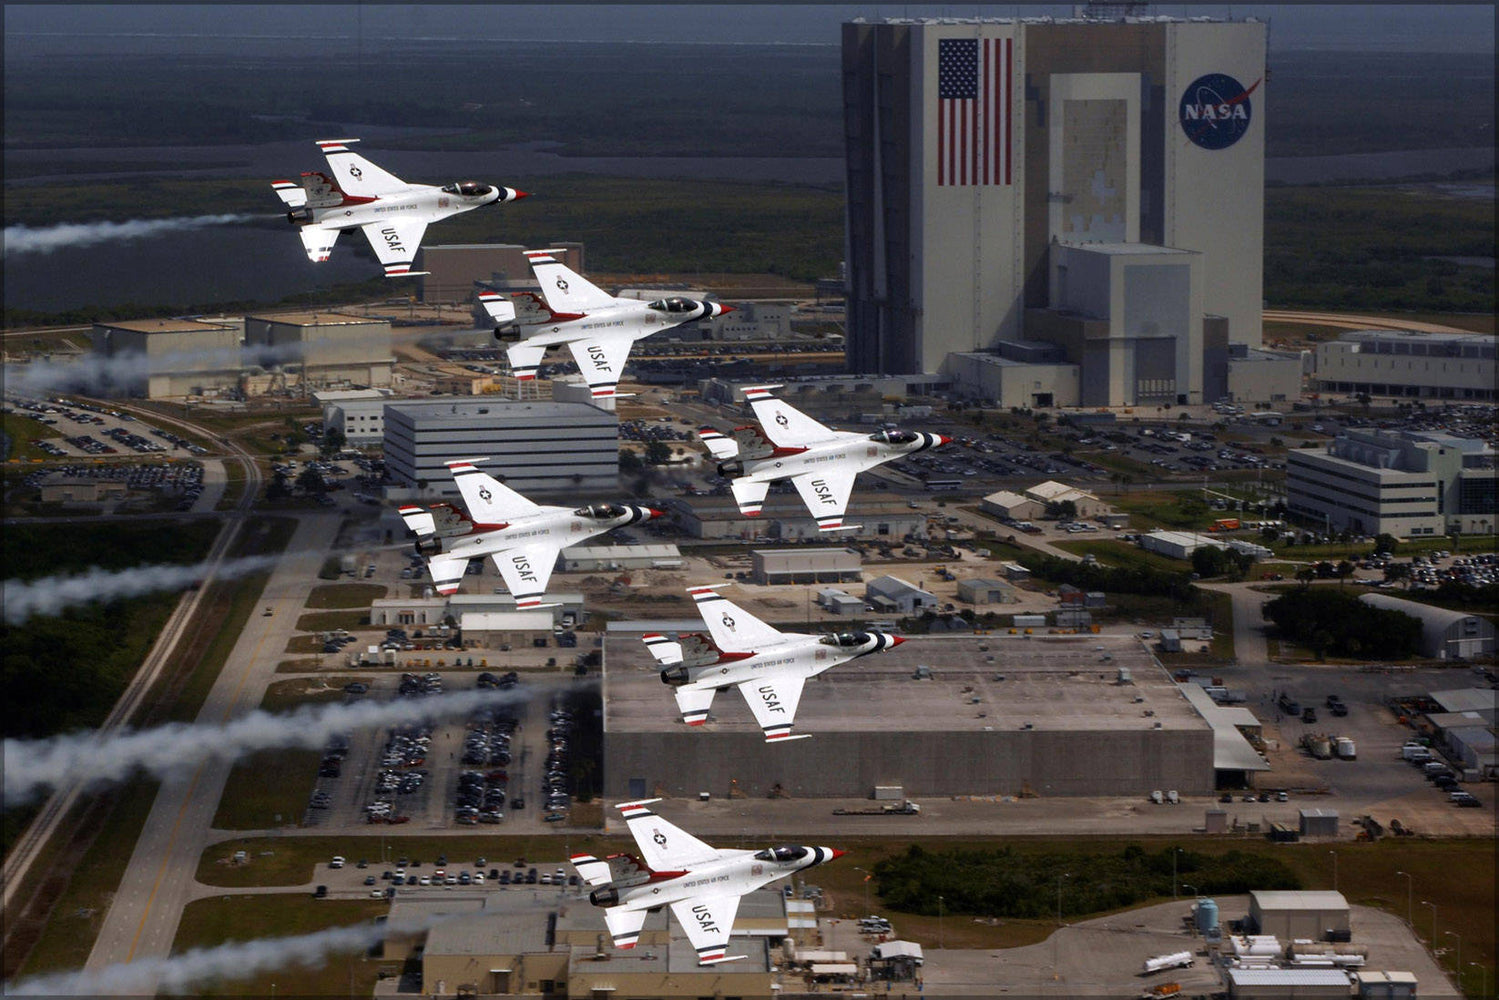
(201, 28)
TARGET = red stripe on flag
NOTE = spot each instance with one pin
(988, 159)
(941, 146)
(1009, 82)
(974, 173)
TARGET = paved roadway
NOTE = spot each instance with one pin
(142, 920)
(1349, 321)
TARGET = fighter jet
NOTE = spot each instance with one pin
(768, 666)
(596, 327)
(820, 462)
(522, 537)
(356, 194)
(701, 884)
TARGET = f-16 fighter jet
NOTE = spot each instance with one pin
(522, 537)
(356, 194)
(701, 884)
(596, 327)
(820, 462)
(768, 666)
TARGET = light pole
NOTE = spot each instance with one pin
(1433, 925)
(1334, 870)
(941, 938)
(1459, 959)
(1409, 881)
(867, 877)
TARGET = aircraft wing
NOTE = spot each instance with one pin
(694, 703)
(826, 495)
(565, 290)
(294, 195)
(708, 921)
(784, 424)
(524, 359)
(395, 242)
(501, 308)
(526, 570)
(624, 925)
(664, 846)
(356, 175)
(734, 629)
(490, 502)
(447, 572)
(773, 699)
(318, 241)
(749, 494)
(601, 361)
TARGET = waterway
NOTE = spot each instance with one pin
(263, 261)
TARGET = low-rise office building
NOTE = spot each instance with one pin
(359, 414)
(1409, 365)
(805, 565)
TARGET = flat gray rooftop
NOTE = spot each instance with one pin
(1055, 683)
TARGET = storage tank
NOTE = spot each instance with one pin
(1207, 917)
(1346, 749)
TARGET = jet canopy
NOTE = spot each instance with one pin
(601, 511)
(845, 640)
(893, 437)
(471, 189)
(786, 852)
(676, 304)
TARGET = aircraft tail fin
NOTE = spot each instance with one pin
(293, 195)
(320, 190)
(749, 495)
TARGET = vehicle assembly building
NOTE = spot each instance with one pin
(1093, 182)
(989, 715)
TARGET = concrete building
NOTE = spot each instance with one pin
(488, 613)
(321, 349)
(61, 489)
(611, 558)
(1407, 484)
(165, 358)
(1086, 504)
(1445, 635)
(556, 951)
(1024, 373)
(1259, 378)
(1175, 544)
(1288, 984)
(358, 413)
(1318, 822)
(1409, 365)
(894, 596)
(1053, 726)
(559, 450)
(1294, 914)
(786, 519)
(1007, 504)
(805, 565)
(812, 391)
(839, 602)
(982, 590)
(991, 160)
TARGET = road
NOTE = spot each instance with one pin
(142, 920)
(1349, 321)
(39, 833)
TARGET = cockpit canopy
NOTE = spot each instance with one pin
(675, 304)
(471, 189)
(600, 511)
(893, 437)
(786, 852)
(845, 640)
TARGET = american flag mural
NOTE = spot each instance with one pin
(974, 81)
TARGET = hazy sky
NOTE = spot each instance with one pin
(205, 27)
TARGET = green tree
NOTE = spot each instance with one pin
(657, 453)
(311, 483)
(1386, 542)
(278, 488)
(333, 441)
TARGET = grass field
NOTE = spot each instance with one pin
(345, 595)
(222, 919)
(327, 621)
(22, 433)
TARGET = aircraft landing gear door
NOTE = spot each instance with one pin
(637, 788)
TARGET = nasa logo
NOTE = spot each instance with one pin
(1215, 110)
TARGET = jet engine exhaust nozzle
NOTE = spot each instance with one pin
(607, 896)
(731, 469)
(299, 216)
(428, 546)
(674, 676)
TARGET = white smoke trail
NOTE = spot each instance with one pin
(31, 765)
(97, 373)
(51, 594)
(45, 239)
(236, 960)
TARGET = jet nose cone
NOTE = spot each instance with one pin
(653, 513)
(895, 640)
(943, 439)
(835, 854)
(514, 194)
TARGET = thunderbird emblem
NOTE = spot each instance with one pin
(484, 494)
(728, 622)
(356, 173)
(659, 838)
(562, 284)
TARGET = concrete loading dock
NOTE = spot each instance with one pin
(1001, 715)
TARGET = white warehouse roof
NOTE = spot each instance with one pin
(1290, 899)
(1240, 978)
